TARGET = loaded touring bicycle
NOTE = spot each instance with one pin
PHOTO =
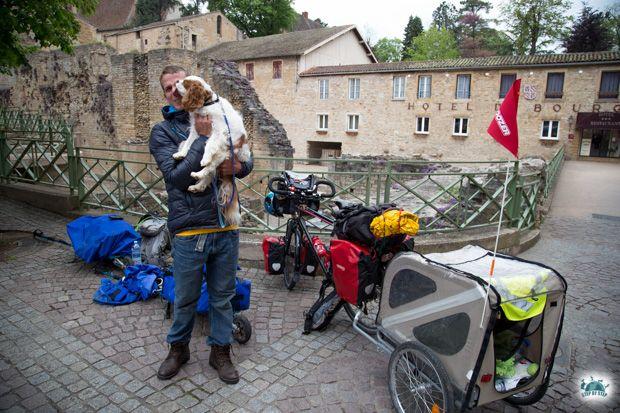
(449, 350)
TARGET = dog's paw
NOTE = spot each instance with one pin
(178, 155)
(196, 175)
(196, 188)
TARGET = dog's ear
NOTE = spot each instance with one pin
(195, 95)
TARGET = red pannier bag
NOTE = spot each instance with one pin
(355, 271)
(273, 252)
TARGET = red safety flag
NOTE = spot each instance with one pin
(503, 127)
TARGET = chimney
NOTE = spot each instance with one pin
(305, 14)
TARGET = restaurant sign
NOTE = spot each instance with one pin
(598, 120)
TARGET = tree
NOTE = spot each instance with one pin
(589, 33)
(612, 22)
(150, 11)
(257, 17)
(388, 50)
(434, 44)
(413, 29)
(534, 24)
(28, 25)
(192, 8)
(471, 22)
(497, 42)
(445, 16)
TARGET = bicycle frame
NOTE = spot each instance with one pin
(297, 221)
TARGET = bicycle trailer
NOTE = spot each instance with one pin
(459, 338)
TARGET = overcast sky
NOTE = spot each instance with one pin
(388, 18)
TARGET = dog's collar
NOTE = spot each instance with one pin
(212, 102)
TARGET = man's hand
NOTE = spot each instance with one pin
(226, 167)
(203, 125)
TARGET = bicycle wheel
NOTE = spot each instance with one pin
(417, 380)
(291, 259)
(367, 322)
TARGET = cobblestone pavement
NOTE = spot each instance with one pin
(61, 352)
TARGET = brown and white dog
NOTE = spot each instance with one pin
(199, 98)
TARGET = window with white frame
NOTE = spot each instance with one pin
(354, 88)
(424, 87)
(550, 129)
(422, 124)
(460, 126)
(398, 87)
(322, 121)
(323, 89)
(353, 122)
(463, 83)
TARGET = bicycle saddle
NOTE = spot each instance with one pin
(342, 204)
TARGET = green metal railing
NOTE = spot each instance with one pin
(447, 196)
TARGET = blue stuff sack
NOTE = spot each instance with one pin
(240, 302)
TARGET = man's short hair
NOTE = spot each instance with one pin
(169, 70)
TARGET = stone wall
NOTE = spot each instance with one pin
(113, 100)
(77, 87)
(268, 136)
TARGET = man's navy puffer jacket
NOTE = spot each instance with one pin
(186, 210)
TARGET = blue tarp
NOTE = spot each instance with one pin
(97, 238)
(137, 284)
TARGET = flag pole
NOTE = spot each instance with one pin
(499, 226)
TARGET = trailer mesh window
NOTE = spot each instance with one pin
(408, 286)
(446, 335)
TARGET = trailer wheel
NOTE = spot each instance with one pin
(417, 380)
(242, 329)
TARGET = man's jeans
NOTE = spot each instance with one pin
(219, 251)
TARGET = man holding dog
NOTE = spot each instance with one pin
(198, 238)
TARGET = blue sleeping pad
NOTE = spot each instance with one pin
(97, 238)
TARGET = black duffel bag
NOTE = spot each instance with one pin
(352, 223)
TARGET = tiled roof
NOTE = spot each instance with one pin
(277, 45)
(493, 62)
(112, 14)
(163, 23)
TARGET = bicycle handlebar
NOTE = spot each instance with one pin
(328, 183)
(277, 191)
(288, 192)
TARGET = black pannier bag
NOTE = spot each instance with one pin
(309, 264)
(273, 252)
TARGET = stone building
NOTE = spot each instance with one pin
(111, 21)
(438, 109)
(443, 108)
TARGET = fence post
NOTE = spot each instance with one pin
(388, 182)
(73, 161)
(4, 157)
(515, 189)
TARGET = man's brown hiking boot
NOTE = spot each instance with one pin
(219, 359)
(178, 355)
